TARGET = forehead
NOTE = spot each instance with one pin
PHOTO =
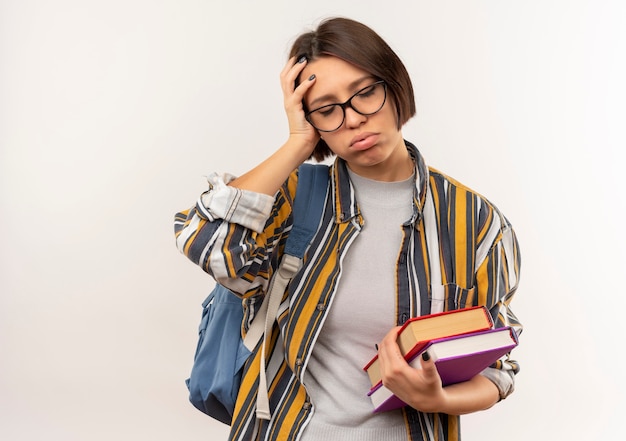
(334, 77)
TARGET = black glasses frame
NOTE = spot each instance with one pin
(348, 103)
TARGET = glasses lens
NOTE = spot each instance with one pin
(369, 100)
(366, 101)
(327, 118)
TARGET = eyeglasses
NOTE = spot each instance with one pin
(366, 101)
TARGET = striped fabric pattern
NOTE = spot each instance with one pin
(457, 251)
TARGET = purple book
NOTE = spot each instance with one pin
(457, 358)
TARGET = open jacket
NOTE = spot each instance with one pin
(457, 251)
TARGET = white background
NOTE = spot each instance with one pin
(111, 113)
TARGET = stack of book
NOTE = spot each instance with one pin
(462, 343)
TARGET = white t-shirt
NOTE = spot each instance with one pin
(362, 312)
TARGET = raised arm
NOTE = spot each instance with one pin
(269, 175)
(234, 231)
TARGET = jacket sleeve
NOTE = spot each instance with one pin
(497, 279)
(235, 235)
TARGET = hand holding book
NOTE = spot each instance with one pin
(457, 356)
(416, 332)
(413, 386)
(477, 393)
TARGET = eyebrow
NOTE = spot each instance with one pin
(330, 96)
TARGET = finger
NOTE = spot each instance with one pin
(288, 66)
(294, 101)
(391, 337)
(429, 369)
(300, 92)
(290, 73)
(389, 350)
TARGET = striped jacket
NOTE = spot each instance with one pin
(457, 250)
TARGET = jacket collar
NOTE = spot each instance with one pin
(346, 206)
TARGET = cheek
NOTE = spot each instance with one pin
(387, 118)
(334, 141)
(328, 138)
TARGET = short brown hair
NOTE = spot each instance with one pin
(361, 46)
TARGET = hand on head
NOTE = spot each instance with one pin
(293, 98)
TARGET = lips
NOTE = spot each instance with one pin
(364, 141)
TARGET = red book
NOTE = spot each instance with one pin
(458, 359)
(418, 331)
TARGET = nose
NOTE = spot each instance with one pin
(353, 118)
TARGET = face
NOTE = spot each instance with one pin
(372, 145)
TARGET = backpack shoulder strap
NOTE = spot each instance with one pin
(308, 206)
(307, 209)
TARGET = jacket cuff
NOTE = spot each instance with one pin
(243, 207)
(503, 379)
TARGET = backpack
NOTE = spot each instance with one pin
(221, 352)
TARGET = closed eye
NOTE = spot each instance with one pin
(368, 91)
(327, 111)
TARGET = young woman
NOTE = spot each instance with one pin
(397, 239)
